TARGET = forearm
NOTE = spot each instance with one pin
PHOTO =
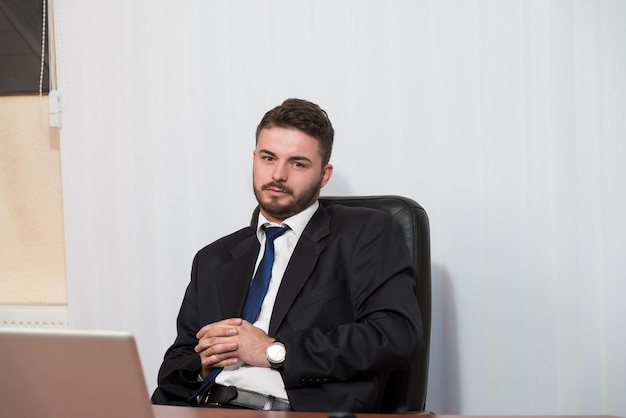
(352, 351)
(181, 365)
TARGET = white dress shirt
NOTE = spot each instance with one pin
(262, 379)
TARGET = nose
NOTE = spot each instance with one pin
(280, 172)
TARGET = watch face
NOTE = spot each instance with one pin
(276, 352)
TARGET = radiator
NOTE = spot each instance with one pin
(33, 316)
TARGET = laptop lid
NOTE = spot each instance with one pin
(71, 374)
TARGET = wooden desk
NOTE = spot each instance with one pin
(161, 411)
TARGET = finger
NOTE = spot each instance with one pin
(210, 343)
(214, 355)
(217, 345)
(218, 328)
(231, 361)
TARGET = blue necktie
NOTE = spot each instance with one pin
(256, 291)
(261, 280)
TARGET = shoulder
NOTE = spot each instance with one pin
(362, 230)
(358, 218)
(355, 214)
(228, 243)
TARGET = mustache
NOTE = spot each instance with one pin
(279, 186)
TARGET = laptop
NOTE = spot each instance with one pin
(71, 374)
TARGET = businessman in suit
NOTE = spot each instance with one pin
(340, 312)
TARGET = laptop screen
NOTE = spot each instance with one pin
(71, 374)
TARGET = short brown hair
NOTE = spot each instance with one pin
(305, 117)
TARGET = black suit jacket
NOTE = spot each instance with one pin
(346, 310)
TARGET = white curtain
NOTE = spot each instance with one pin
(504, 119)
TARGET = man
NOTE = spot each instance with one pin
(340, 312)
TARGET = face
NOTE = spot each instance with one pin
(287, 172)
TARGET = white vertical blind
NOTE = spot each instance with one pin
(504, 119)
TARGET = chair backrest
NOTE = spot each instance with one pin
(406, 389)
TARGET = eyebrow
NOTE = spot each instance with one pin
(294, 158)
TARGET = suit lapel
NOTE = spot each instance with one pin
(233, 279)
(301, 265)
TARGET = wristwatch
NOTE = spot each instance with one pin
(276, 354)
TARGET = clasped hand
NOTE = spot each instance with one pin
(225, 343)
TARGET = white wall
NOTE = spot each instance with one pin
(504, 119)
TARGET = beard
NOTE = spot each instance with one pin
(295, 205)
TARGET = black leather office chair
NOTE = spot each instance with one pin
(406, 389)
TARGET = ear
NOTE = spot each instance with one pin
(327, 173)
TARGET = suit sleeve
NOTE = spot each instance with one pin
(365, 321)
(178, 375)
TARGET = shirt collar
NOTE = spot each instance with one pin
(296, 223)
